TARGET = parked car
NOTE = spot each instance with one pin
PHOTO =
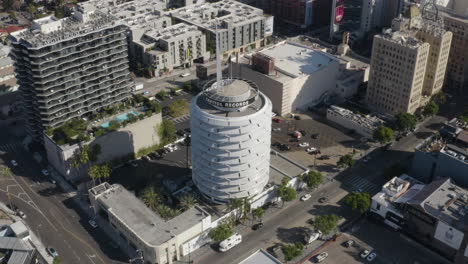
(277, 120)
(312, 236)
(372, 256)
(312, 149)
(304, 144)
(14, 163)
(321, 257)
(45, 172)
(145, 158)
(257, 226)
(277, 129)
(323, 200)
(181, 133)
(185, 74)
(324, 157)
(303, 132)
(349, 243)
(364, 254)
(93, 223)
(297, 117)
(52, 252)
(294, 140)
(366, 159)
(315, 136)
(305, 197)
(21, 214)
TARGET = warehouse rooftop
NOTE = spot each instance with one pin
(144, 222)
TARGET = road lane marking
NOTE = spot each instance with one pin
(78, 238)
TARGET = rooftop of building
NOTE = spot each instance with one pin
(171, 33)
(445, 201)
(260, 256)
(297, 60)
(50, 30)
(403, 38)
(144, 222)
(134, 13)
(396, 189)
(282, 166)
(368, 121)
(20, 250)
(218, 14)
(240, 95)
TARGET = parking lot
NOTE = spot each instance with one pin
(333, 142)
(390, 247)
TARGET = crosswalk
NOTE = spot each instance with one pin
(11, 147)
(357, 182)
(179, 119)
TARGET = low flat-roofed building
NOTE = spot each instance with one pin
(364, 125)
(296, 76)
(21, 252)
(260, 256)
(436, 214)
(158, 240)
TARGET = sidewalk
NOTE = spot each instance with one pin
(35, 241)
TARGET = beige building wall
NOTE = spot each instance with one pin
(397, 74)
(439, 42)
(457, 69)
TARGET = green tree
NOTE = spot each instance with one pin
(383, 134)
(313, 178)
(94, 173)
(150, 197)
(178, 108)
(405, 121)
(57, 260)
(31, 9)
(431, 109)
(94, 152)
(464, 116)
(166, 212)
(326, 223)
(345, 161)
(221, 232)
(236, 204)
(81, 158)
(5, 171)
(166, 132)
(161, 95)
(113, 125)
(187, 201)
(7, 4)
(439, 98)
(358, 201)
(286, 193)
(292, 251)
(257, 213)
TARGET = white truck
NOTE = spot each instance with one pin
(138, 86)
(230, 242)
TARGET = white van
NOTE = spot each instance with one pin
(230, 242)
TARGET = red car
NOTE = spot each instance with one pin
(277, 120)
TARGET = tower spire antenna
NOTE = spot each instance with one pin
(219, 74)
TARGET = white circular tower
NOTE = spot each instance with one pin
(231, 136)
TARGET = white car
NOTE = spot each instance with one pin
(93, 224)
(14, 163)
(304, 144)
(52, 252)
(305, 197)
(372, 256)
(311, 149)
(321, 257)
(277, 129)
(366, 159)
(21, 214)
(364, 253)
(185, 74)
(45, 172)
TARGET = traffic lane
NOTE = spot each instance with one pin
(265, 237)
(52, 205)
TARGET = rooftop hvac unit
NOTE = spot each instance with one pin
(263, 63)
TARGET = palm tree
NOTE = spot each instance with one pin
(236, 204)
(246, 208)
(94, 173)
(187, 201)
(257, 213)
(150, 197)
(105, 171)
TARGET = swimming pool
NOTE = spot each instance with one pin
(120, 118)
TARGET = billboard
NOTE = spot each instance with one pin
(339, 11)
(448, 235)
(269, 25)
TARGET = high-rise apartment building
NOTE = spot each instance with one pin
(396, 79)
(70, 67)
(411, 32)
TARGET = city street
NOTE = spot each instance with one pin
(363, 175)
(50, 213)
